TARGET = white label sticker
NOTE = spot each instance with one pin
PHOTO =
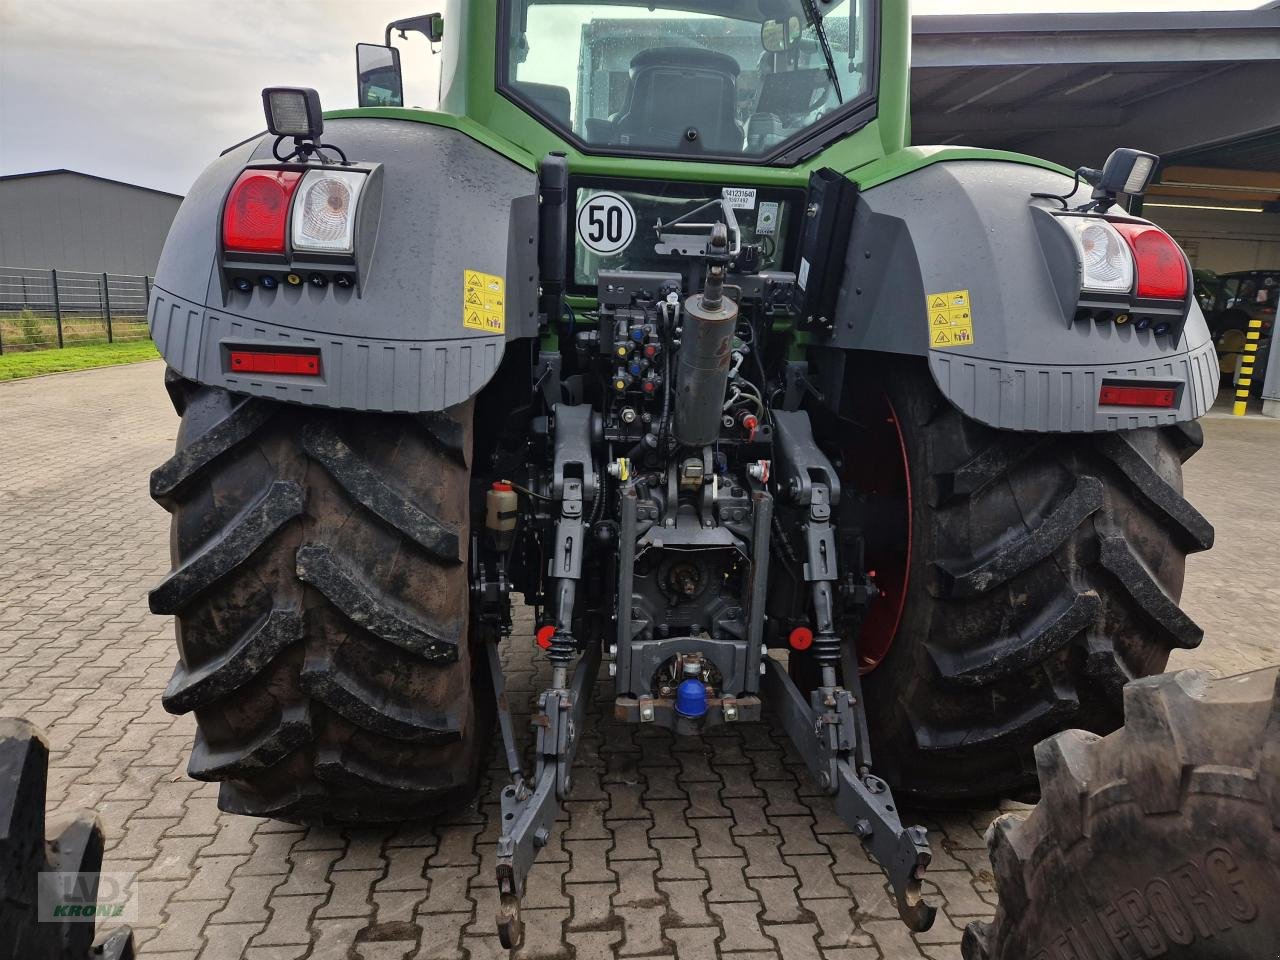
(741, 198)
(767, 220)
(606, 223)
(803, 279)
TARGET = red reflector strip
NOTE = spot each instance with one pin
(297, 364)
(1113, 396)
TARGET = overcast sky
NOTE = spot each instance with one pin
(149, 91)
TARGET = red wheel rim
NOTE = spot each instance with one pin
(876, 467)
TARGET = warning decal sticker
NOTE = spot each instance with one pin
(484, 304)
(950, 319)
(767, 219)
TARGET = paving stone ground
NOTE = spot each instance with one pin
(669, 848)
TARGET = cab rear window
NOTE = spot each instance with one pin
(665, 78)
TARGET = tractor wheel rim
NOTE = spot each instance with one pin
(885, 473)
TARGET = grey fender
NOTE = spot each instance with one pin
(398, 343)
(973, 226)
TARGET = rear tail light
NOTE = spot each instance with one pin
(324, 211)
(1162, 270)
(1118, 395)
(1107, 263)
(296, 364)
(257, 211)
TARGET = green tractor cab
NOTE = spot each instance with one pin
(659, 325)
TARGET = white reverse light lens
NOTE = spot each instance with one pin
(1139, 175)
(324, 211)
(1108, 264)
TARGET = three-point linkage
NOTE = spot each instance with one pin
(829, 729)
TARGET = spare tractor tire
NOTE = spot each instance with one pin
(321, 593)
(44, 880)
(1025, 579)
(1160, 840)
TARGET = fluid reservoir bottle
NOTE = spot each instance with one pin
(501, 506)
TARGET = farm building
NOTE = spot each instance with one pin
(73, 221)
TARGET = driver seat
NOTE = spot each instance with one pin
(677, 89)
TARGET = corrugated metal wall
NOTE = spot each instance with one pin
(73, 222)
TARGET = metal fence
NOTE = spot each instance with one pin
(43, 309)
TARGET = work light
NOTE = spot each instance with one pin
(293, 112)
(1126, 171)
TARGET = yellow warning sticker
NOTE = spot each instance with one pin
(950, 319)
(484, 302)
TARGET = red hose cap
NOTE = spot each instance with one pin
(544, 636)
(801, 638)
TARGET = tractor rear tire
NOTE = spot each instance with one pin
(33, 897)
(321, 593)
(1043, 574)
(1160, 840)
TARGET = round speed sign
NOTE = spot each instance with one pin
(606, 223)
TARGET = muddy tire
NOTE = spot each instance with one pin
(74, 848)
(321, 594)
(1037, 575)
(1160, 840)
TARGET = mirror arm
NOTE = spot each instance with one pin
(430, 25)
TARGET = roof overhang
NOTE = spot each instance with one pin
(1072, 87)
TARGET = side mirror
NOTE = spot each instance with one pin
(777, 36)
(379, 82)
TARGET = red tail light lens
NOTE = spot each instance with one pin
(1162, 270)
(1114, 395)
(257, 211)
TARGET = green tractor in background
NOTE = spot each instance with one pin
(1232, 302)
(659, 325)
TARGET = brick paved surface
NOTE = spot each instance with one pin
(669, 848)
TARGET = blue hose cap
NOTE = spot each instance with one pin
(691, 699)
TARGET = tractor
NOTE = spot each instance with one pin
(660, 325)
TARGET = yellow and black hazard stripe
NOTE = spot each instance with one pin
(1244, 383)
